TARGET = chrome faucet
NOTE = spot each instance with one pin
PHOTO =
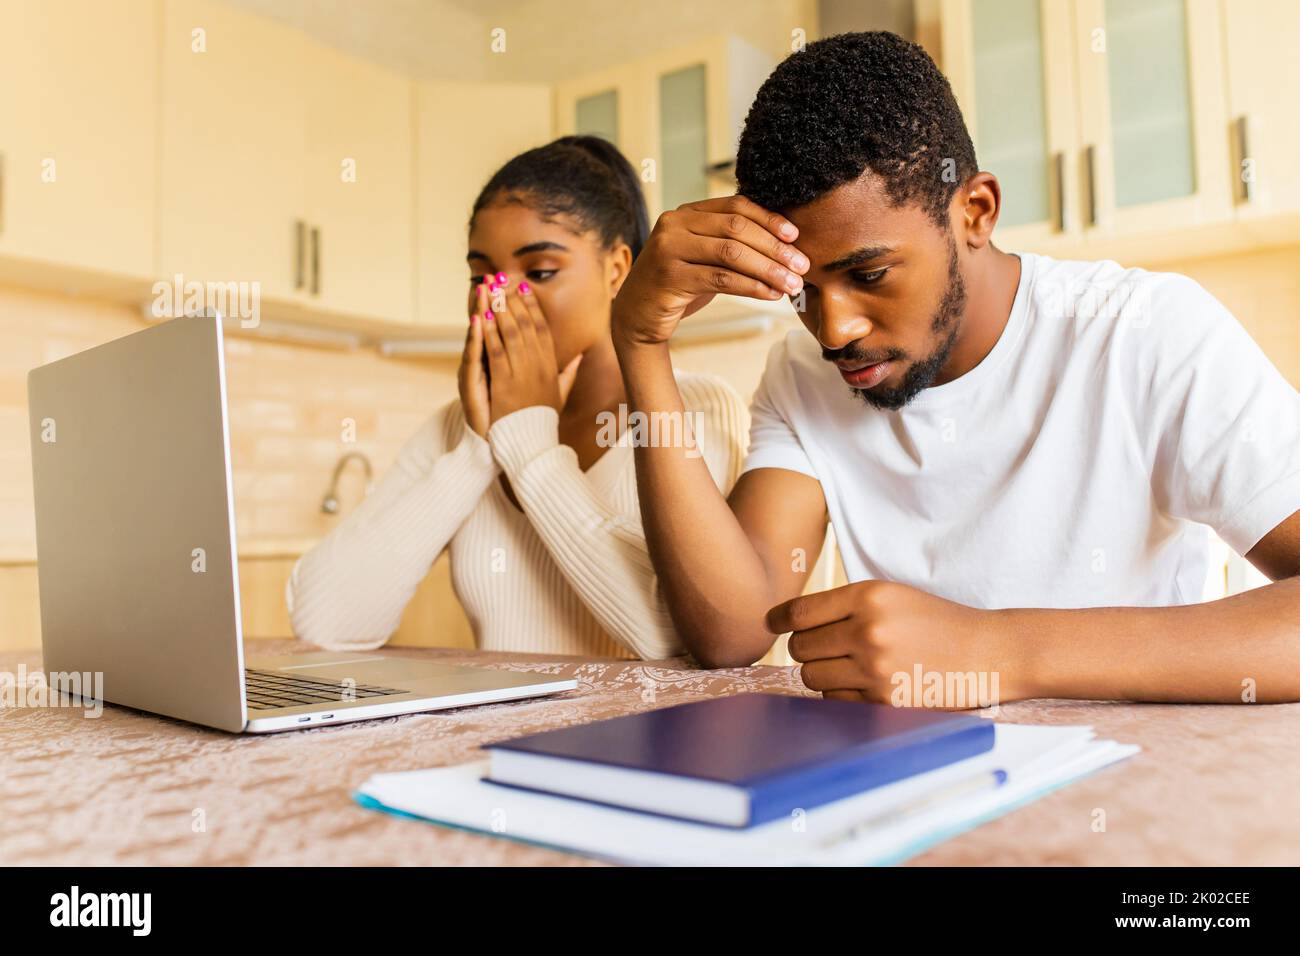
(330, 505)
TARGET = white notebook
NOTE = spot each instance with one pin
(1036, 759)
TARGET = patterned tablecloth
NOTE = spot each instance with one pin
(1214, 784)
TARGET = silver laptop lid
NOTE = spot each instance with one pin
(135, 524)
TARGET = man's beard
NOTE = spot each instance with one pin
(920, 375)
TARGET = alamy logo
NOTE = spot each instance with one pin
(960, 690)
(651, 430)
(238, 300)
(55, 689)
(103, 909)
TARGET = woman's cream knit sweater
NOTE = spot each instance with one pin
(569, 574)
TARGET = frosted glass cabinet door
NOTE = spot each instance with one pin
(1011, 115)
(684, 136)
(1154, 115)
(1150, 101)
(1011, 66)
(597, 115)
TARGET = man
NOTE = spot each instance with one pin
(1019, 455)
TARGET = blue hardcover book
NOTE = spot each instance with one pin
(738, 761)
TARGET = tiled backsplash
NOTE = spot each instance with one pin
(294, 411)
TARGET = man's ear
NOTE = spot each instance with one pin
(977, 204)
(618, 263)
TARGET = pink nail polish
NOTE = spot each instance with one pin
(501, 278)
(488, 315)
(525, 288)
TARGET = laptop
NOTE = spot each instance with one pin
(137, 562)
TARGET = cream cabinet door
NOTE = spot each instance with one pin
(1154, 115)
(465, 132)
(679, 114)
(1260, 37)
(696, 98)
(78, 91)
(233, 148)
(1011, 67)
(614, 103)
(359, 176)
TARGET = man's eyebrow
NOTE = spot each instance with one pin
(857, 257)
(474, 254)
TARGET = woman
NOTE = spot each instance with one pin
(522, 477)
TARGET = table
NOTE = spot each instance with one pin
(1215, 785)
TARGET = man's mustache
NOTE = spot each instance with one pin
(858, 355)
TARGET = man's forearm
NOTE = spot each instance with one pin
(1242, 648)
(712, 578)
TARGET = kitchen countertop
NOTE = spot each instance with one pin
(1214, 785)
(255, 548)
(275, 547)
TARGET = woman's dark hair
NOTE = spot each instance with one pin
(584, 177)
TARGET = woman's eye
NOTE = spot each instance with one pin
(869, 278)
(540, 275)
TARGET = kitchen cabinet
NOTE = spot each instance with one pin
(1010, 63)
(678, 114)
(77, 134)
(286, 164)
(1154, 116)
(234, 141)
(597, 115)
(359, 178)
(1263, 81)
(464, 133)
(1103, 119)
(614, 103)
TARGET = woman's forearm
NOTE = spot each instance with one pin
(350, 591)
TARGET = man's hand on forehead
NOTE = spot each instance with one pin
(728, 245)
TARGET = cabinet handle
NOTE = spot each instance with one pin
(1245, 187)
(299, 254)
(315, 260)
(1058, 173)
(1090, 166)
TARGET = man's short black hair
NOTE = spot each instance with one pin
(850, 103)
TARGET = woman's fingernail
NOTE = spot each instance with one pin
(501, 278)
(488, 315)
(525, 288)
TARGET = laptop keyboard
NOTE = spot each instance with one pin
(269, 689)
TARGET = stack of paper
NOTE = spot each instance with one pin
(1036, 759)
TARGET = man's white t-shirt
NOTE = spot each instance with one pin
(1120, 412)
